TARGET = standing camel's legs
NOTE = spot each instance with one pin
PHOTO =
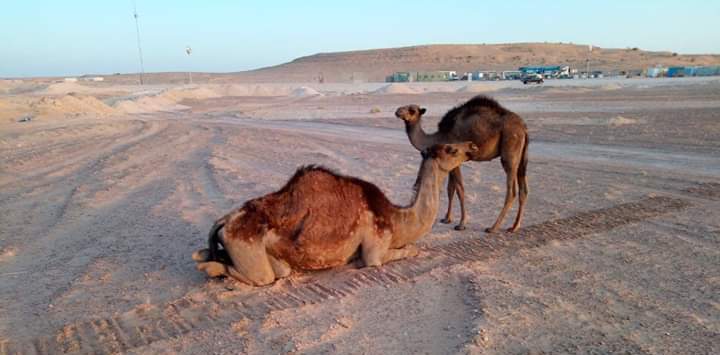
(455, 185)
(510, 164)
(510, 192)
(522, 182)
(460, 188)
(451, 195)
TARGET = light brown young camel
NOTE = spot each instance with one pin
(321, 219)
(497, 132)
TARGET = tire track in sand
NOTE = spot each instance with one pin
(147, 324)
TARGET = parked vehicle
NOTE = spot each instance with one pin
(533, 78)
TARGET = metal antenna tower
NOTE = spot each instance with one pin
(137, 29)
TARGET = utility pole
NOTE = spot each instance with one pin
(140, 54)
(588, 60)
(188, 50)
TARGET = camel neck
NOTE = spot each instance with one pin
(418, 138)
(417, 219)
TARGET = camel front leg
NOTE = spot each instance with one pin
(451, 188)
(460, 188)
(407, 251)
(374, 247)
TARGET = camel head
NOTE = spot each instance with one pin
(410, 113)
(450, 156)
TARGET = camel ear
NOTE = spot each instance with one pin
(422, 111)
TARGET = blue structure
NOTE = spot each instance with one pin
(676, 72)
(706, 71)
(546, 69)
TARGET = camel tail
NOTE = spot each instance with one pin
(522, 169)
(214, 238)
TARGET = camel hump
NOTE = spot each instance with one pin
(472, 106)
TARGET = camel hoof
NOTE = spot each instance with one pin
(446, 220)
(212, 268)
(460, 227)
(512, 230)
(413, 251)
(201, 255)
(490, 230)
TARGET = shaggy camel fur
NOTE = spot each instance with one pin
(321, 219)
(497, 132)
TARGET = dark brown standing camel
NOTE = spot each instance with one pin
(321, 219)
(497, 132)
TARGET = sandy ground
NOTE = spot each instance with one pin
(107, 191)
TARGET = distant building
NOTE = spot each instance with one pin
(547, 71)
(70, 80)
(656, 72)
(399, 77)
(436, 75)
(511, 75)
(486, 75)
(702, 71)
(676, 72)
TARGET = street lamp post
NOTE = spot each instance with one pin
(188, 51)
(140, 54)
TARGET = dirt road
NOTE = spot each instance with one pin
(620, 253)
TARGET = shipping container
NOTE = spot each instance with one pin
(676, 72)
(707, 71)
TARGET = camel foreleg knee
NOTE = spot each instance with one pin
(407, 251)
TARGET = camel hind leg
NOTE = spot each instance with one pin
(250, 262)
(522, 182)
(224, 266)
(511, 157)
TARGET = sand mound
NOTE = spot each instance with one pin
(68, 88)
(70, 105)
(12, 109)
(476, 88)
(197, 93)
(252, 90)
(304, 91)
(621, 121)
(148, 104)
(395, 89)
(165, 101)
(14, 87)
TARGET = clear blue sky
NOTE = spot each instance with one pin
(43, 37)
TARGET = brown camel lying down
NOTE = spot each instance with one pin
(321, 219)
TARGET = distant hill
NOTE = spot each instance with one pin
(376, 64)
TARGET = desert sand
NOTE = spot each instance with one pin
(107, 190)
